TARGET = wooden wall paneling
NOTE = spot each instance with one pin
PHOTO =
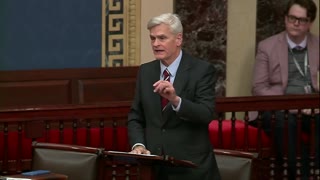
(107, 84)
(34, 92)
(109, 89)
(67, 86)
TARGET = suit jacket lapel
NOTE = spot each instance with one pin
(283, 59)
(182, 74)
(179, 83)
(313, 57)
(154, 77)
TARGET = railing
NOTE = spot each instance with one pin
(96, 125)
(104, 125)
(244, 106)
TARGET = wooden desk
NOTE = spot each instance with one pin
(145, 164)
(50, 176)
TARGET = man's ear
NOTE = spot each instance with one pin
(179, 39)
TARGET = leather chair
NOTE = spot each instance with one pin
(77, 162)
(235, 164)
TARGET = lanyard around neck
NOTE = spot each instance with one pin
(298, 66)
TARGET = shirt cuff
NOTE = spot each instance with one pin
(137, 144)
(178, 107)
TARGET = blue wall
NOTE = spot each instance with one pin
(50, 34)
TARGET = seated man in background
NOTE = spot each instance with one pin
(288, 63)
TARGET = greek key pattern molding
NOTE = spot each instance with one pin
(121, 36)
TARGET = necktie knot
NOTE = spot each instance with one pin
(298, 48)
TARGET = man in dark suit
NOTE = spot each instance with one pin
(282, 69)
(173, 105)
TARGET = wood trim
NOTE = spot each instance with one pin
(67, 147)
(262, 103)
(96, 110)
(67, 86)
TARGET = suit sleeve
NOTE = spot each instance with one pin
(200, 109)
(136, 120)
(262, 86)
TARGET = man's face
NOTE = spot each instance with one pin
(165, 45)
(296, 21)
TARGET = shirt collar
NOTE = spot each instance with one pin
(292, 45)
(173, 67)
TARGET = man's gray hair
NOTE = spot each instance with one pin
(170, 19)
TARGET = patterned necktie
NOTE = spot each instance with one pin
(166, 77)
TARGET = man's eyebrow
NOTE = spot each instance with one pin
(298, 17)
(159, 35)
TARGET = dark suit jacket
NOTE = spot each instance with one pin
(183, 134)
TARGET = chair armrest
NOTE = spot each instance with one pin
(67, 147)
(235, 153)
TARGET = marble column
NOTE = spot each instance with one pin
(205, 33)
(270, 18)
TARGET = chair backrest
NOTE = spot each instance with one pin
(77, 162)
(234, 164)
